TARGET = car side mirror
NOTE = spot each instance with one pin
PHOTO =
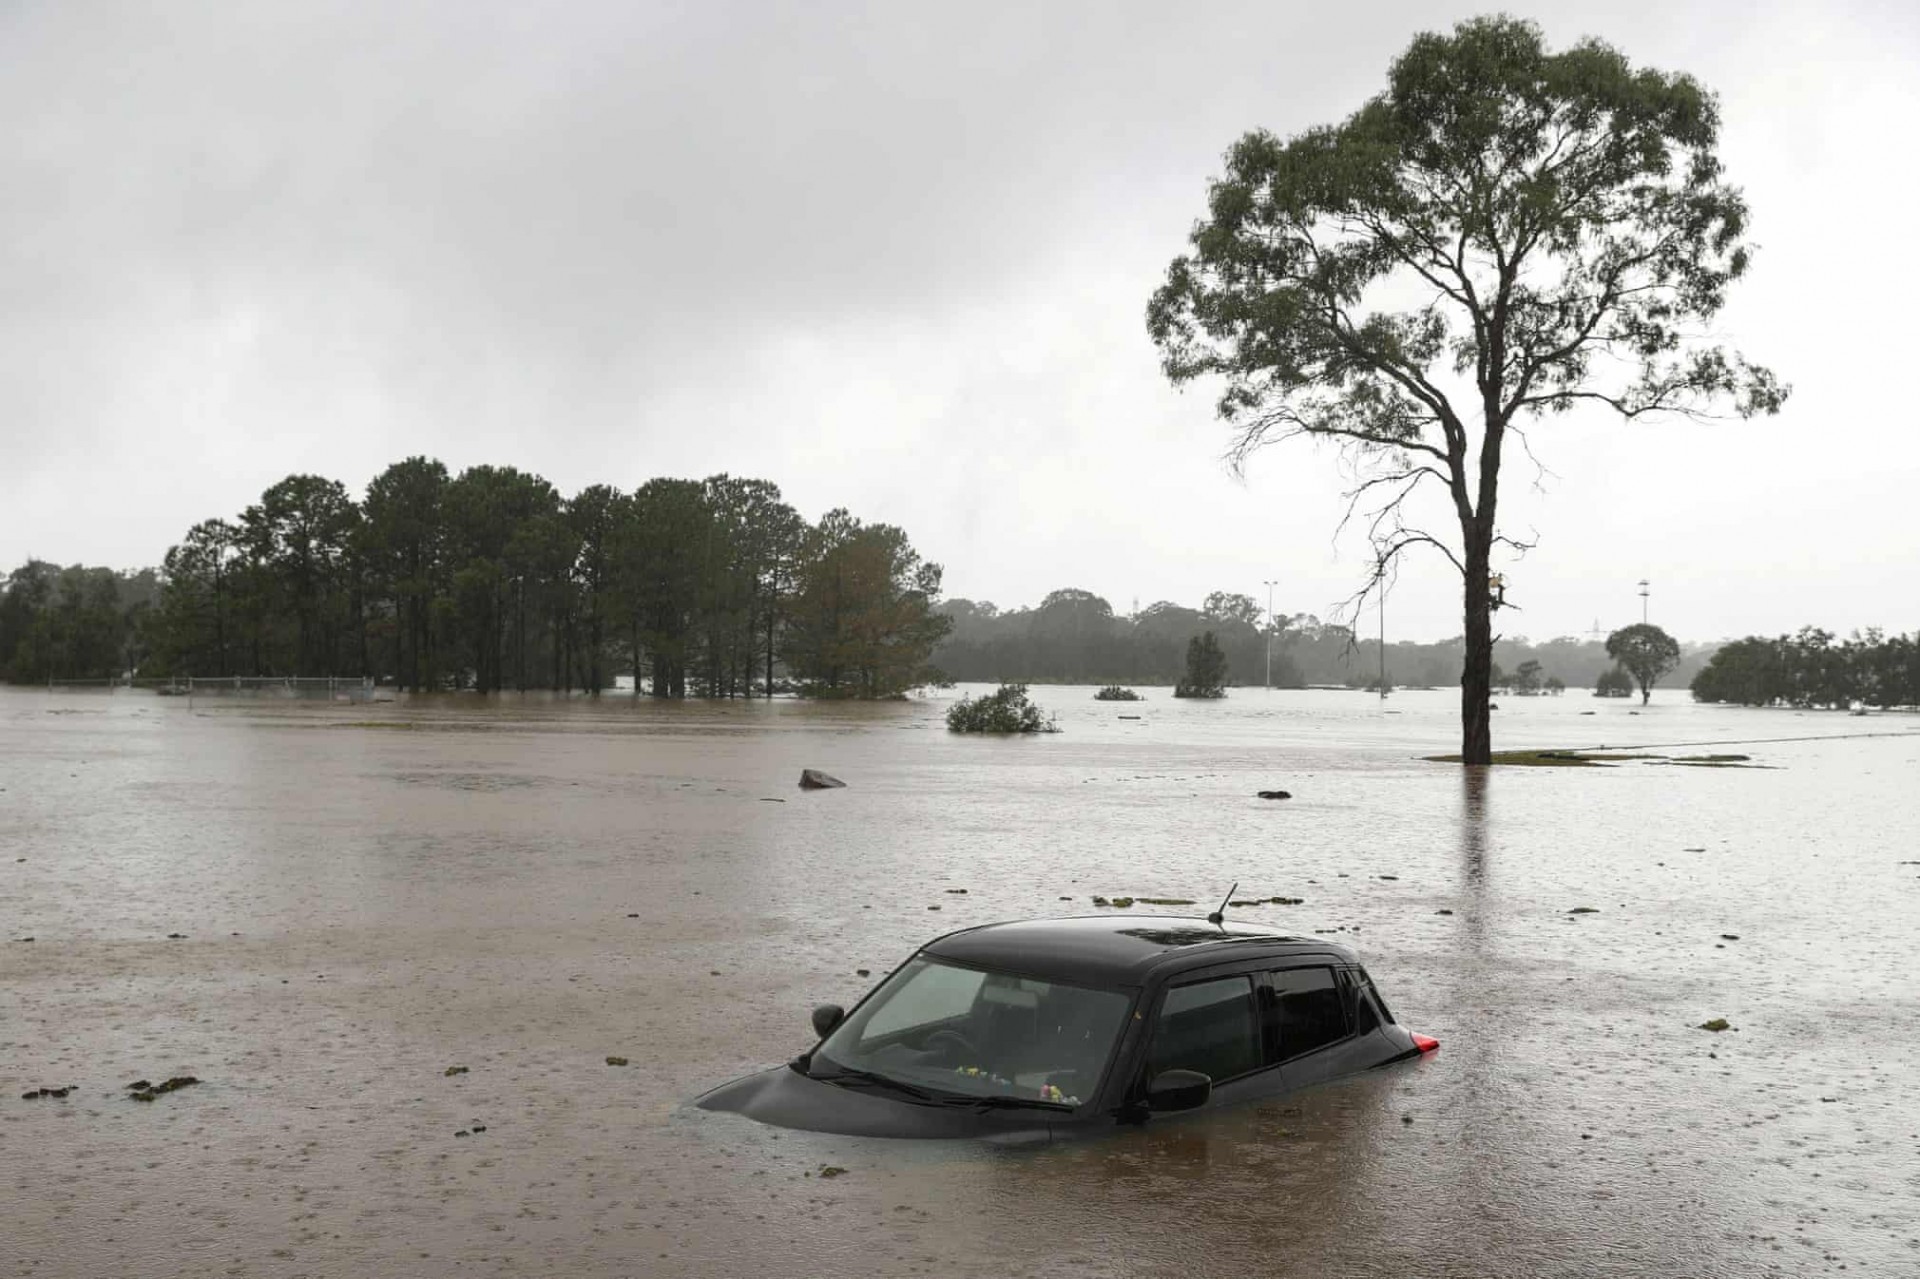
(1178, 1090)
(826, 1017)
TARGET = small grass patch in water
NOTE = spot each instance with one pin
(1551, 758)
(1713, 761)
(1603, 759)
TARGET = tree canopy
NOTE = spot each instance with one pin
(1645, 652)
(1504, 233)
(1809, 669)
(492, 579)
(1206, 669)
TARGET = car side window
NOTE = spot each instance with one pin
(1308, 1011)
(1373, 992)
(1210, 1027)
(1366, 1018)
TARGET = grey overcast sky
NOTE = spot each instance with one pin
(892, 256)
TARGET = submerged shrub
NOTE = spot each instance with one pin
(1005, 711)
(1115, 693)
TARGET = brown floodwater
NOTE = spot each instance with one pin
(366, 896)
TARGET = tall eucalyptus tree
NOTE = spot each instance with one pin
(1503, 233)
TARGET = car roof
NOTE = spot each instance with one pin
(1114, 950)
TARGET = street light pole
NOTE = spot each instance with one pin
(1643, 601)
(1269, 583)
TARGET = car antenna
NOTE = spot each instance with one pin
(1220, 916)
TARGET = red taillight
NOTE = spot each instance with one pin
(1426, 1043)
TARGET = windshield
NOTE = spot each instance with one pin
(953, 1030)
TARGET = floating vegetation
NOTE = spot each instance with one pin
(1717, 1025)
(141, 1090)
(1164, 901)
(616, 1061)
(451, 1071)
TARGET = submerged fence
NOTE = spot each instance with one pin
(312, 688)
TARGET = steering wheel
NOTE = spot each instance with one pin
(950, 1039)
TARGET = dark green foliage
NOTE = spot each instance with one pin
(861, 621)
(1206, 669)
(1558, 231)
(1646, 652)
(1615, 681)
(1809, 670)
(1115, 693)
(491, 580)
(1007, 710)
(73, 623)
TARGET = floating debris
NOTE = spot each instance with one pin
(172, 1085)
(1165, 901)
(616, 1061)
(1288, 901)
(57, 1093)
(960, 891)
(1729, 936)
(1273, 794)
(1443, 912)
(830, 1171)
(451, 1071)
(1584, 910)
(814, 779)
(1717, 1025)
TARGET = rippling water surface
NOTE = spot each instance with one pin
(368, 895)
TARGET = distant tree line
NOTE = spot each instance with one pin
(1075, 637)
(1809, 669)
(74, 622)
(492, 580)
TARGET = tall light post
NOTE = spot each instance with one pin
(1643, 601)
(1270, 583)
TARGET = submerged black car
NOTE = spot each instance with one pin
(1050, 1028)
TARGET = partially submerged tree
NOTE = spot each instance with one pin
(1206, 669)
(1008, 709)
(1645, 652)
(1503, 233)
(1614, 682)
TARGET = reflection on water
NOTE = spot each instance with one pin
(366, 896)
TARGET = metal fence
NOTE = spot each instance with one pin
(311, 688)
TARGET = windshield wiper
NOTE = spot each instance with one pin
(845, 1076)
(1008, 1103)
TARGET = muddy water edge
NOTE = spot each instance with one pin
(396, 946)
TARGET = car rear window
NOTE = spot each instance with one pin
(1209, 1027)
(1307, 1009)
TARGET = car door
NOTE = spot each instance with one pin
(1212, 1022)
(1309, 1030)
